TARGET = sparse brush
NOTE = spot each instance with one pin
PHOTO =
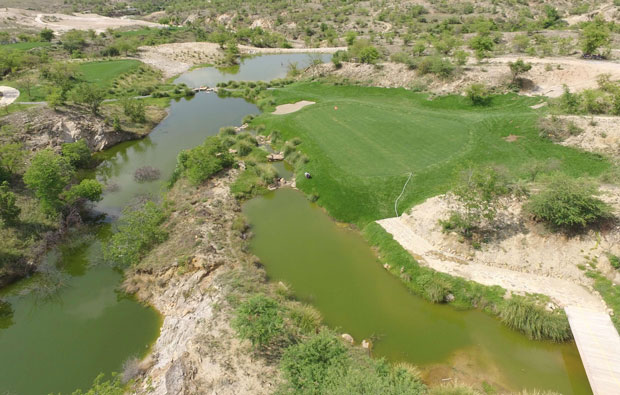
(304, 317)
(146, 173)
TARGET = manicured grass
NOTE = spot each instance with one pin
(362, 152)
(26, 45)
(105, 72)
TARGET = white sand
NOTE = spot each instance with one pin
(290, 108)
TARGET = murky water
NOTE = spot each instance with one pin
(334, 269)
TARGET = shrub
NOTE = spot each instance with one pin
(478, 94)
(593, 36)
(306, 365)
(535, 321)
(134, 109)
(568, 205)
(259, 320)
(104, 387)
(87, 189)
(77, 153)
(48, 175)
(9, 211)
(557, 129)
(203, 161)
(136, 233)
(304, 317)
(441, 67)
(11, 159)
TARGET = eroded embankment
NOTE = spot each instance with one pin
(187, 278)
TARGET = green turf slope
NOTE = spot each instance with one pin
(362, 152)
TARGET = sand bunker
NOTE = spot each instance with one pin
(289, 108)
(9, 95)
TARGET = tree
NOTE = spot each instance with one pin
(518, 67)
(369, 55)
(593, 36)
(78, 153)
(46, 34)
(73, 40)
(569, 205)
(90, 95)
(9, 211)
(478, 94)
(62, 75)
(259, 320)
(55, 98)
(11, 158)
(87, 189)
(552, 17)
(48, 175)
(26, 83)
(482, 43)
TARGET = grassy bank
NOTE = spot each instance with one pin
(364, 142)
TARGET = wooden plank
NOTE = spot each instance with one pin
(599, 347)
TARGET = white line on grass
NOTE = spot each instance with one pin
(401, 194)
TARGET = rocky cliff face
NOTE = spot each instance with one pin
(42, 127)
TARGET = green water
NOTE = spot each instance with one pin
(61, 342)
(334, 269)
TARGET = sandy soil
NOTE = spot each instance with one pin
(524, 258)
(62, 23)
(9, 95)
(177, 58)
(608, 12)
(547, 76)
(600, 134)
(293, 107)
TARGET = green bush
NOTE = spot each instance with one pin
(77, 153)
(568, 205)
(87, 189)
(306, 365)
(48, 175)
(478, 94)
(9, 211)
(203, 161)
(534, 321)
(259, 320)
(441, 67)
(136, 233)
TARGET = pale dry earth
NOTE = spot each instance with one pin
(61, 23)
(600, 134)
(524, 256)
(292, 107)
(546, 78)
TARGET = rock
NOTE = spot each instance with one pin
(550, 306)
(348, 338)
(275, 157)
(367, 344)
(449, 298)
(387, 266)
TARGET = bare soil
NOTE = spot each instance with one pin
(61, 22)
(523, 257)
(600, 134)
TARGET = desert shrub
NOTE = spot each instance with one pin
(203, 161)
(439, 66)
(557, 129)
(306, 365)
(567, 204)
(137, 231)
(478, 94)
(593, 36)
(78, 153)
(534, 321)
(259, 320)
(304, 317)
(614, 261)
(146, 173)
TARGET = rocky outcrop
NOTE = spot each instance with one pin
(42, 127)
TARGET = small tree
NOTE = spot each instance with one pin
(90, 95)
(55, 98)
(88, 189)
(478, 197)
(259, 320)
(478, 94)
(369, 54)
(593, 36)
(46, 34)
(9, 211)
(48, 175)
(11, 158)
(517, 68)
(568, 205)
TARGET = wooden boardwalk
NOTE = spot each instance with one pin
(599, 347)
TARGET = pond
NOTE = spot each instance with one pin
(334, 269)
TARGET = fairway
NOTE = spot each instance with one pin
(363, 143)
(104, 73)
(369, 139)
